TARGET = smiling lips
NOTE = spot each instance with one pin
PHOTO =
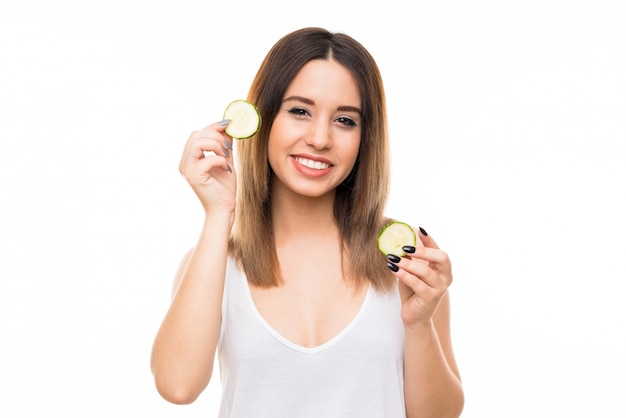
(312, 164)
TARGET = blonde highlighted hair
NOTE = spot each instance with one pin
(359, 200)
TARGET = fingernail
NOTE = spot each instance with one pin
(226, 154)
(228, 144)
(393, 258)
(408, 249)
(224, 122)
(423, 231)
(393, 267)
(230, 170)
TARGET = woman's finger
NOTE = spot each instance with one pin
(416, 283)
(417, 268)
(213, 132)
(426, 239)
(428, 254)
(209, 163)
(199, 147)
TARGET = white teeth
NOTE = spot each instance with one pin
(317, 165)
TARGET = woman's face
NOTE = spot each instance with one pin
(314, 140)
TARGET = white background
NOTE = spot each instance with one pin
(508, 137)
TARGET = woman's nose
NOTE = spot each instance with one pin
(319, 135)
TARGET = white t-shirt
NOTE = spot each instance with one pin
(358, 373)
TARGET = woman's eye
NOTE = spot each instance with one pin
(298, 111)
(344, 120)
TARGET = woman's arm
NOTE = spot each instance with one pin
(184, 348)
(432, 380)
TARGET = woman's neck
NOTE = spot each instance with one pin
(297, 217)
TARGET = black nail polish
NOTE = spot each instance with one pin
(423, 231)
(393, 258)
(408, 249)
(230, 170)
(393, 267)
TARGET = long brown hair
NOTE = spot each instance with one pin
(359, 200)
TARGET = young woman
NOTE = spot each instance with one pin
(286, 282)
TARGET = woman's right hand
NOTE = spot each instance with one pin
(207, 165)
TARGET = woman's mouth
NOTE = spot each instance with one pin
(312, 164)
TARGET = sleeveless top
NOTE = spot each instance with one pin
(358, 373)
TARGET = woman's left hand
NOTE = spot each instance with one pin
(424, 274)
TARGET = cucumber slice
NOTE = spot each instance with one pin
(245, 119)
(394, 236)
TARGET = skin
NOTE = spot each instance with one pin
(319, 121)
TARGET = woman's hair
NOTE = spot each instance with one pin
(361, 197)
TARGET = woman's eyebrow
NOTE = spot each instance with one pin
(349, 109)
(299, 99)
